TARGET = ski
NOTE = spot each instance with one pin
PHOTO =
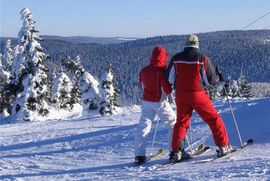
(198, 144)
(247, 143)
(199, 150)
(194, 153)
(155, 156)
(160, 153)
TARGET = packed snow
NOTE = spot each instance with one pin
(98, 147)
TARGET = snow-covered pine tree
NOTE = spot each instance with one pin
(109, 93)
(8, 56)
(1, 65)
(4, 81)
(89, 91)
(10, 87)
(214, 92)
(61, 91)
(87, 84)
(73, 67)
(245, 88)
(1, 85)
(7, 97)
(29, 73)
(4, 73)
(232, 90)
(75, 95)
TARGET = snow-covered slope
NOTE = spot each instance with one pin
(101, 148)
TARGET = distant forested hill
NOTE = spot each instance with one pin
(89, 40)
(231, 50)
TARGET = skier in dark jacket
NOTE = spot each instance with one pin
(192, 73)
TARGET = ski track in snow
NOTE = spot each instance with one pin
(101, 148)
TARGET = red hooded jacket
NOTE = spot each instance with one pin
(152, 77)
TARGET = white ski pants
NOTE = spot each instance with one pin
(149, 110)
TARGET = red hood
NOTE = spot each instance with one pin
(159, 57)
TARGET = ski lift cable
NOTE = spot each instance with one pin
(255, 20)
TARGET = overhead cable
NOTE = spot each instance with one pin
(255, 20)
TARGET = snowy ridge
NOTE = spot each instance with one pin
(101, 148)
(89, 39)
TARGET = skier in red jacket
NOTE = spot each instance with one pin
(156, 88)
(192, 73)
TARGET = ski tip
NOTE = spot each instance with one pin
(201, 146)
(161, 151)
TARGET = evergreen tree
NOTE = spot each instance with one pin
(75, 95)
(74, 69)
(89, 91)
(245, 88)
(232, 90)
(7, 96)
(4, 81)
(8, 56)
(9, 88)
(109, 93)
(61, 91)
(240, 88)
(1, 85)
(215, 92)
(29, 73)
(2, 71)
(4, 74)
(87, 84)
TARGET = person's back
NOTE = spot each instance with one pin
(189, 62)
(192, 73)
(193, 70)
(155, 91)
(152, 77)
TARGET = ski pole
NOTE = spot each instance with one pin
(154, 137)
(189, 145)
(191, 136)
(226, 95)
(189, 142)
(234, 119)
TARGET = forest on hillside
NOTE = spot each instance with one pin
(233, 51)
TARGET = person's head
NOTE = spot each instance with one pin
(192, 41)
(159, 57)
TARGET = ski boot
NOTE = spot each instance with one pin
(181, 154)
(224, 150)
(140, 159)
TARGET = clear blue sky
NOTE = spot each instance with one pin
(133, 18)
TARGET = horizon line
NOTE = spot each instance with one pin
(90, 36)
